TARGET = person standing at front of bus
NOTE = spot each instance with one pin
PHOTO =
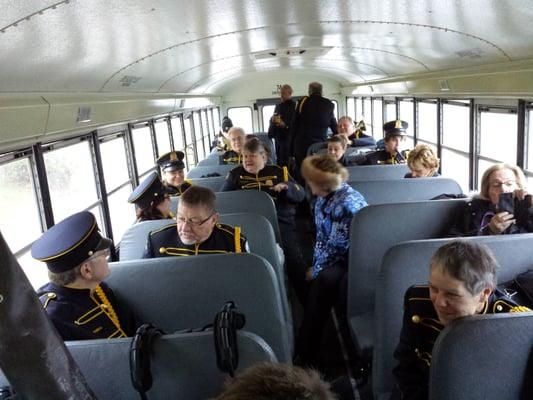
(236, 138)
(335, 207)
(172, 168)
(488, 213)
(280, 125)
(196, 230)
(80, 305)
(356, 138)
(151, 199)
(462, 282)
(274, 180)
(313, 116)
(394, 136)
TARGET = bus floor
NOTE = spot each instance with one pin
(338, 361)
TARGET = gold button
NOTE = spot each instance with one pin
(415, 319)
(499, 307)
(162, 250)
(51, 295)
(104, 306)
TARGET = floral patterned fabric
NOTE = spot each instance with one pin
(333, 215)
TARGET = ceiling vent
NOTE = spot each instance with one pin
(444, 86)
(290, 53)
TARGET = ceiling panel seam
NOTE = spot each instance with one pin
(36, 13)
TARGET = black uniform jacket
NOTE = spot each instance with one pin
(270, 175)
(82, 314)
(165, 242)
(358, 139)
(178, 190)
(285, 111)
(474, 217)
(420, 330)
(382, 157)
(313, 116)
(348, 161)
(230, 157)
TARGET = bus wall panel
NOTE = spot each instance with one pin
(23, 119)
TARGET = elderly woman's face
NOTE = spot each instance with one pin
(254, 162)
(501, 181)
(450, 297)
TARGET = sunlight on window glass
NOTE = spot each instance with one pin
(162, 136)
(350, 107)
(144, 154)
(427, 121)
(210, 125)
(177, 133)
(205, 131)
(498, 136)
(114, 163)
(390, 111)
(358, 109)
(216, 119)
(242, 116)
(455, 166)
(367, 107)
(36, 271)
(18, 207)
(530, 140)
(377, 118)
(335, 109)
(198, 135)
(456, 127)
(122, 212)
(267, 112)
(407, 115)
(71, 179)
(188, 130)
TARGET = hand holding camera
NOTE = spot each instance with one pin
(512, 208)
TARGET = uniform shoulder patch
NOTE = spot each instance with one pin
(226, 228)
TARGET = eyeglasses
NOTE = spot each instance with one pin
(191, 222)
(507, 184)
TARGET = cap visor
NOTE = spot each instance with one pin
(104, 244)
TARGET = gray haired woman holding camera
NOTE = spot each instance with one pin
(502, 207)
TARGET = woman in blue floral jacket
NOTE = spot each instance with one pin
(336, 205)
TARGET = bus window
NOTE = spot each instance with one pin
(210, 125)
(118, 185)
(407, 114)
(205, 131)
(216, 120)
(350, 107)
(335, 109)
(162, 137)
(377, 118)
(36, 271)
(529, 122)
(427, 121)
(367, 109)
(200, 151)
(70, 179)
(189, 142)
(242, 117)
(142, 142)
(390, 110)
(358, 109)
(18, 206)
(498, 137)
(456, 141)
(177, 133)
(267, 112)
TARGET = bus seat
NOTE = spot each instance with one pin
(245, 201)
(256, 228)
(488, 354)
(377, 172)
(214, 183)
(398, 190)
(221, 170)
(177, 293)
(183, 365)
(406, 264)
(373, 231)
(208, 161)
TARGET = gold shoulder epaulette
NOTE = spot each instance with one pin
(173, 225)
(47, 297)
(226, 228)
(520, 309)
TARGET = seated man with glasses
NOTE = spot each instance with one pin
(196, 230)
(78, 303)
(502, 207)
